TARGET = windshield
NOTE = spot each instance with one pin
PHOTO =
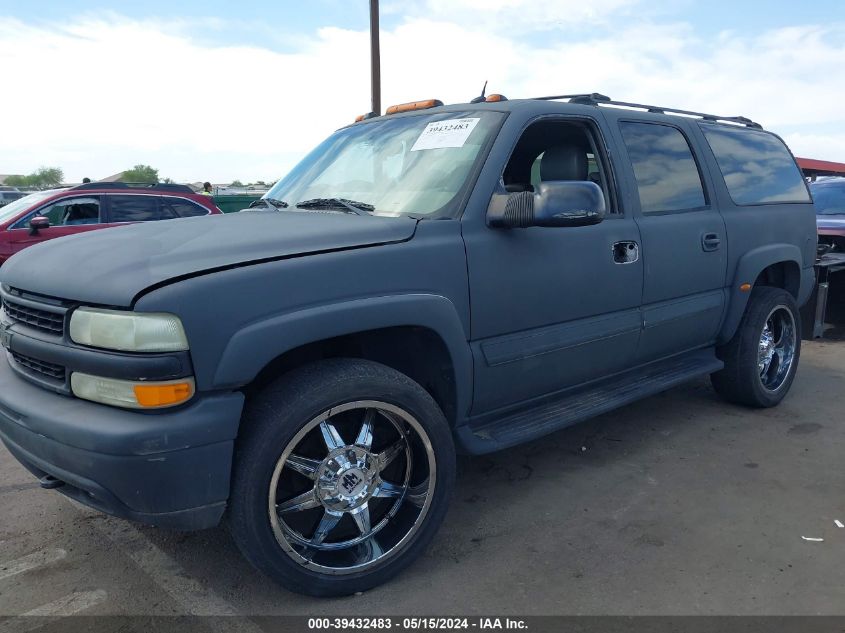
(16, 206)
(829, 198)
(413, 165)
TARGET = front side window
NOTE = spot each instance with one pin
(68, 212)
(757, 167)
(667, 174)
(134, 208)
(555, 150)
(408, 165)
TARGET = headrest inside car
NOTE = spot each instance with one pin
(564, 162)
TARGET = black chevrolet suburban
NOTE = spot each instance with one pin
(438, 278)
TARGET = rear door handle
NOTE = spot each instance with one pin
(710, 241)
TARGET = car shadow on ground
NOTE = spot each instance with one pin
(834, 332)
(485, 484)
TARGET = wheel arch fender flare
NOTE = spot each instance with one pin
(250, 349)
(748, 269)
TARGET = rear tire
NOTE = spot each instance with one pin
(342, 476)
(762, 357)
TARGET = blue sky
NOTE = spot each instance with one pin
(243, 89)
(240, 22)
(295, 18)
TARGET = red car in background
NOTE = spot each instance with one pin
(45, 215)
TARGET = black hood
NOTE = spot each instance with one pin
(112, 266)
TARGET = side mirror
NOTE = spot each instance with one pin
(38, 222)
(554, 203)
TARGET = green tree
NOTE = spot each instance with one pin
(236, 183)
(140, 174)
(17, 181)
(49, 176)
(43, 177)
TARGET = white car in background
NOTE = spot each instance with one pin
(8, 194)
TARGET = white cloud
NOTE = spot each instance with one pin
(823, 147)
(100, 94)
(518, 16)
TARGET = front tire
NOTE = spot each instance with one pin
(342, 476)
(762, 357)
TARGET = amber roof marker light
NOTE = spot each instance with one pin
(414, 105)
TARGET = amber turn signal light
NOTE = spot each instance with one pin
(163, 395)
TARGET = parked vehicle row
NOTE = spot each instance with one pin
(46, 215)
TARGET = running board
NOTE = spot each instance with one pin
(487, 434)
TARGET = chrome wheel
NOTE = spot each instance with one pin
(352, 487)
(776, 349)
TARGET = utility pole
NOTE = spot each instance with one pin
(375, 64)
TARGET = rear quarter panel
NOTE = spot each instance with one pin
(757, 237)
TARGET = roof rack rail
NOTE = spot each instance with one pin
(590, 98)
(596, 99)
(101, 185)
(172, 186)
(159, 186)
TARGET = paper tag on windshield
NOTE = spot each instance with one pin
(451, 133)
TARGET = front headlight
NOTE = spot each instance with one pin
(128, 331)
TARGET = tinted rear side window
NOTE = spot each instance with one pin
(757, 167)
(178, 208)
(134, 208)
(667, 174)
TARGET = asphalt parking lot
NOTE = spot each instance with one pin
(679, 504)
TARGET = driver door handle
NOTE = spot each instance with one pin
(710, 241)
(626, 252)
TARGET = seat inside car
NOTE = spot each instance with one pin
(564, 162)
(81, 214)
(548, 150)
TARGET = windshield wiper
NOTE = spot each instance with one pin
(339, 204)
(270, 203)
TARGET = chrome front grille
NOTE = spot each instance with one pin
(44, 320)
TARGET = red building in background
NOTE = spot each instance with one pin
(812, 167)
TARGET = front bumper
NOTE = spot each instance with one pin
(167, 469)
